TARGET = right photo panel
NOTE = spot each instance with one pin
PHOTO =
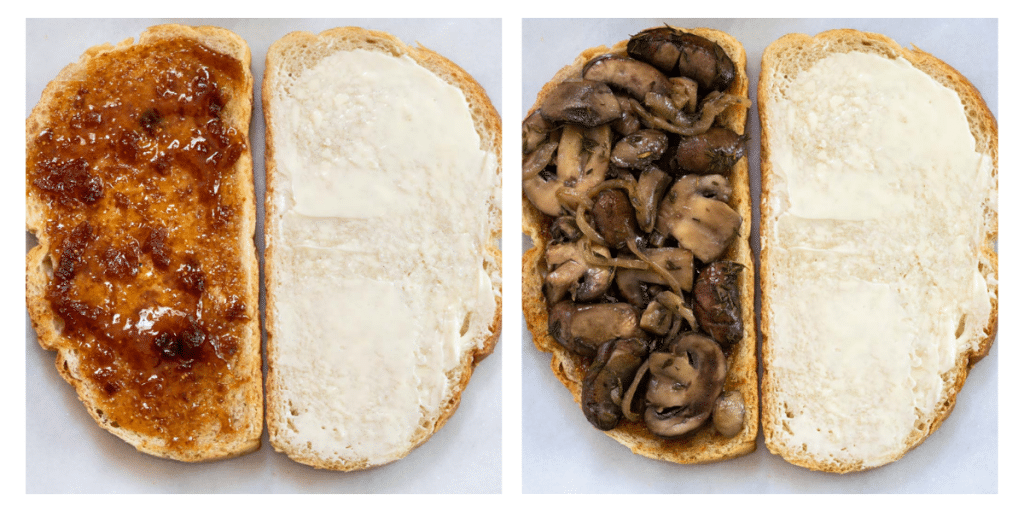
(760, 256)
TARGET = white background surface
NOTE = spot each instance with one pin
(67, 452)
(563, 453)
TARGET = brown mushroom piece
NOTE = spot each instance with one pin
(564, 229)
(640, 149)
(581, 163)
(633, 76)
(675, 261)
(728, 413)
(582, 328)
(695, 212)
(571, 273)
(542, 191)
(655, 46)
(706, 62)
(584, 102)
(685, 123)
(537, 161)
(614, 218)
(607, 379)
(685, 382)
(628, 123)
(641, 81)
(712, 152)
(535, 132)
(676, 52)
(717, 301)
(583, 160)
(656, 319)
(650, 188)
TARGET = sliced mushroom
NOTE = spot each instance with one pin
(584, 102)
(706, 62)
(633, 76)
(640, 149)
(712, 152)
(684, 384)
(674, 261)
(542, 191)
(694, 211)
(628, 122)
(650, 188)
(684, 93)
(535, 132)
(608, 378)
(672, 50)
(582, 163)
(727, 415)
(717, 301)
(674, 302)
(582, 328)
(614, 218)
(583, 159)
(657, 319)
(564, 230)
(682, 123)
(657, 47)
(537, 161)
(571, 273)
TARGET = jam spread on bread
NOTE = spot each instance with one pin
(136, 168)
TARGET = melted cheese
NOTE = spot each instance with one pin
(380, 288)
(876, 245)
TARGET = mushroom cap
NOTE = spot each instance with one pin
(633, 76)
(571, 273)
(694, 211)
(582, 328)
(684, 384)
(655, 46)
(717, 301)
(585, 102)
(639, 149)
(607, 378)
(650, 188)
(614, 218)
(712, 152)
(728, 413)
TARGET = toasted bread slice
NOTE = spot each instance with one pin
(145, 277)
(706, 444)
(383, 215)
(879, 223)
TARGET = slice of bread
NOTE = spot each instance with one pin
(382, 263)
(879, 224)
(706, 444)
(145, 279)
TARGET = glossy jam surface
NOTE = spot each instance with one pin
(135, 167)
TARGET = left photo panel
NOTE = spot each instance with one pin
(271, 247)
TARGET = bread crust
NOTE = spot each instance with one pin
(705, 445)
(247, 410)
(488, 126)
(786, 57)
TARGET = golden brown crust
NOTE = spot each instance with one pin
(488, 124)
(246, 404)
(706, 445)
(787, 56)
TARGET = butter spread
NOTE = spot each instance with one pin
(383, 197)
(874, 270)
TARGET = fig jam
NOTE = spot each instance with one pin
(134, 169)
